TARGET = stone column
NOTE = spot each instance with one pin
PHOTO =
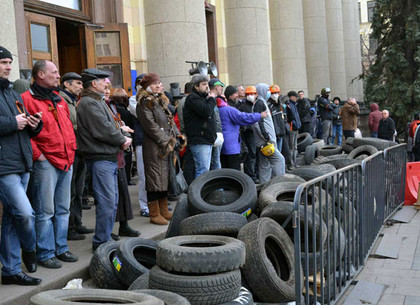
(248, 42)
(359, 69)
(175, 33)
(352, 46)
(336, 48)
(8, 38)
(316, 45)
(287, 45)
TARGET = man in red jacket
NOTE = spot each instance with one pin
(53, 156)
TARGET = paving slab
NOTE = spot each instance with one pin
(389, 246)
(405, 214)
(365, 293)
(412, 300)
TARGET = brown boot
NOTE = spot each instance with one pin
(154, 213)
(163, 207)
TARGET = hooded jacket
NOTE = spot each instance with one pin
(375, 116)
(263, 130)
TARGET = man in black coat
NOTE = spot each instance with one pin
(386, 128)
(17, 126)
(304, 109)
(326, 111)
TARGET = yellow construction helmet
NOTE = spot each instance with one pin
(268, 150)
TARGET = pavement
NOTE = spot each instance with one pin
(396, 280)
(58, 278)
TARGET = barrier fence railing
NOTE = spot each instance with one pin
(337, 218)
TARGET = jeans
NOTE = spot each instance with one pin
(49, 192)
(274, 164)
(326, 131)
(77, 185)
(337, 130)
(202, 157)
(374, 134)
(215, 158)
(18, 222)
(105, 192)
(279, 144)
(142, 179)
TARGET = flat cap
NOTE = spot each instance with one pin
(92, 74)
(70, 76)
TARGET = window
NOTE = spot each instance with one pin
(371, 9)
(73, 4)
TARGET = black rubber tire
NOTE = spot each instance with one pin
(270, 261)
(227, 179)
(277, 192)
(142, 282)
(252, 217)
(329, 150)
(347, 148)
(200, 254)
(216, 223)
(311, 172)
(198, 289)
(304, 140)
(244, 298)
(90, 296)
(280, 211)
(380, 144)
(300, 160)
(285, 178)
(180, 212)
(362, 150)
(319, 142)
(311, 152)
(101, 269)
(326, 159)
(135, 257)
(169, 298)
(349, 141)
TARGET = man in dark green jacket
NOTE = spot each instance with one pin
(17, 126)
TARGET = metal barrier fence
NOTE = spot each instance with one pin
(337, 218)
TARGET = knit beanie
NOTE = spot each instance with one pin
(230, 90)
(149, 79)
(5, 53)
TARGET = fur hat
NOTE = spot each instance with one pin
(198, 78)
(149, 79)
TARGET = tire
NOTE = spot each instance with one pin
(329, 150)
(277, 192)
(300, 160)
(142, 282)
(216, 223)
(280, 211)
(198, 289)
(270, 262)
(252, 217)
(226, 179)
(312, 172)
(319, 142)
(311, 152)
(90, 296)
(180, 212)
(169, 298)
(285, 178)
(380, 144)
(303, 140)
(347, 148)
(349, 141)
(101, 269)
(201, 254)
(367, 150)
(135, 257)
(244, 298)
(340, 163)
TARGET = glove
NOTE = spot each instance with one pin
(219, 140)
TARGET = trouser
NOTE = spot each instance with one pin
(249, 163)
(337, 131)
(327, 131)
(215, 158)
(348, 133)
(142, 179)
(231, 161)
(77, 185)
(202, 155)
(189, 168)
(273, 165)
(305, 127)
(293, 146)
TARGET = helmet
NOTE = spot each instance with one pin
(274, 89)
(250, 90)
(268, 150)
(325, 90)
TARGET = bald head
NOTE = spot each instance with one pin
(385, 114)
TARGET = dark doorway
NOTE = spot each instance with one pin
(211, 32)
(69, 46)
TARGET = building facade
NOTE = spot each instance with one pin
(297, 44)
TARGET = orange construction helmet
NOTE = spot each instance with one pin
(274, 89)
(250, 90)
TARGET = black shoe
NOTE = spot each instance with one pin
(51, 263)
(115, 237)
(20, 279)
(29, 259)
(86, 207)
(128, 231)
(68, 257)
(73, 235)
(83, 230)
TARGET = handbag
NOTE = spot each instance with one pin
(177, 183)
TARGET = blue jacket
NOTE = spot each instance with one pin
(293, 115)
(15, 145)
(231, 119)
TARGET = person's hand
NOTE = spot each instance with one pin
(264, 114)
(127, 143)
(127, 129)
(42, 158)
(22, 121)
(33, 120)
(212, 94)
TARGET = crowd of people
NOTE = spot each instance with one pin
(63, 135)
